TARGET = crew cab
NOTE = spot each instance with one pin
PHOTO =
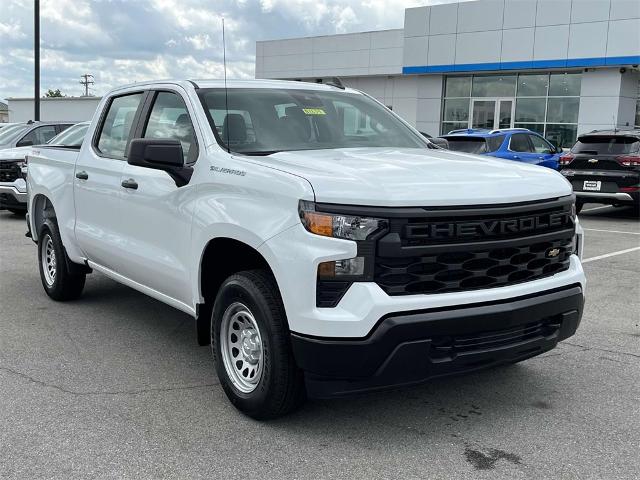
(13, 168)
(321, 245)
(604, 167)
(519, 144)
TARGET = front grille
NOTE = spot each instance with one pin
(474, 248)
(445, 347)
(9, 171)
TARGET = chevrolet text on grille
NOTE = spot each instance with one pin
(491, 227)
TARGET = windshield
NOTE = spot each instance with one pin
(603, 145)
(262, 121)
(12, 132)
(71, 137)
(467, 144)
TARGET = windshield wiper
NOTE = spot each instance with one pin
(260, 153)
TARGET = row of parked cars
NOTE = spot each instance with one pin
(603, 166)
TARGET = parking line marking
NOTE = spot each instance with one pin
(610, 231)
(596, 208)
(612, 254)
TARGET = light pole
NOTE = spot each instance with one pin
(36, 48)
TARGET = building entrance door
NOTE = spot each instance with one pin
(492, 113)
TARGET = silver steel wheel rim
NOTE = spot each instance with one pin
(241, 347)
(49, 260)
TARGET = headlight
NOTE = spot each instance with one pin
(337, 225)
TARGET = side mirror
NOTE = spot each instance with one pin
(160, 154)
(441, 142)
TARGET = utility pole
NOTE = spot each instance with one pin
(36, 56)
(87, 79)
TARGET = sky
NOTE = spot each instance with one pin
(122, 41)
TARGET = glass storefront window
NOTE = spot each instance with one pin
(448, 126)
(563, 110)
(456, 109)
(546, 103)
(565, 84)
(533, 85)
(534, 127)
(530, 109)
(494, 86)
(458, 87)
(564, 136)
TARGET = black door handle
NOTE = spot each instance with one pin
(82, 175)
(130, 183)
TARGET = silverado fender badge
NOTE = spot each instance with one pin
(593, 160)
(552, 252)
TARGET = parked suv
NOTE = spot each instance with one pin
(30, 133)
(604, 167)
(13, 188)
(518, 144)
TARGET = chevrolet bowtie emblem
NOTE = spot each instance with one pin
(593, 160)
(553, 252)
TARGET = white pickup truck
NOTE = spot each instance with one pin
(323, 246)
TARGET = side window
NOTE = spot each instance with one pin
(540, 145)
(519, 143)
(494, 143)
(169, 118)
(38, 136)
(117, 125)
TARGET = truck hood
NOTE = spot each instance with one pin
(418, 177)
(17, 153)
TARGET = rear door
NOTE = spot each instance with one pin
(521, 149)
(156, 214)
(97, 180)
(544, 151)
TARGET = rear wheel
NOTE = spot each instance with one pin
(58, 281)
(251, 348)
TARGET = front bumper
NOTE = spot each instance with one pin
(13, 195)
(411, 347)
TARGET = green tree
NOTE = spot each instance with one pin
(54, 93)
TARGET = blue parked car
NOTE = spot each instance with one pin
(519, 144)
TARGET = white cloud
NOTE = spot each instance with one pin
(120, 41)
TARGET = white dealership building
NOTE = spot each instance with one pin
(559, 67)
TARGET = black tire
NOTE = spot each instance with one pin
(65, 285)
(19, 213)
(280, 388)
(579, 205)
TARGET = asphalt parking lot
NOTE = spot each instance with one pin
(114, 386)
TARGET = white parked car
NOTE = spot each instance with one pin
(320, 243)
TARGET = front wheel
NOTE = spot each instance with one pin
(58, 281)
(251, 348)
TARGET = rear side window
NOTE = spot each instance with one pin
(494, 143)
(467, 144)
(38, 136)
(519, 143)
(117, 125)
(540, 145)
(169, 118)
(606, 145)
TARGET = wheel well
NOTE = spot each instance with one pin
(222, 258)
(42, 209)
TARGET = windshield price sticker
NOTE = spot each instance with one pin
(313, 111)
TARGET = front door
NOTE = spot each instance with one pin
(492, 113)
(156, 216)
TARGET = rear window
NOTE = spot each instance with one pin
(467, 144)
(606, 145)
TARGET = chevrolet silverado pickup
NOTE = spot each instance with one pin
(321, 244)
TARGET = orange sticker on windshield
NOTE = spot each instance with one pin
(313, 111)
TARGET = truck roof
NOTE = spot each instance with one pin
(239, 83)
